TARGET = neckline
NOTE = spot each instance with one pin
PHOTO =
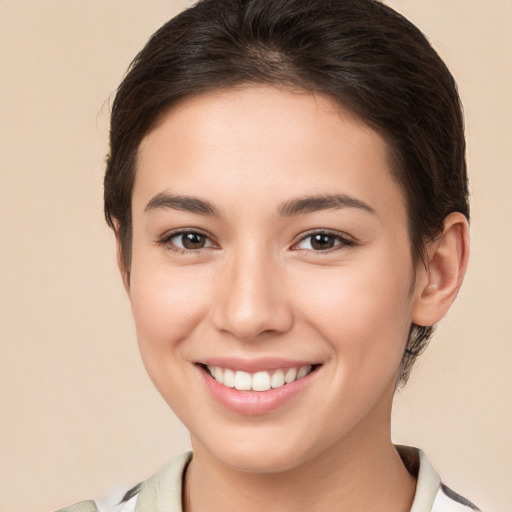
(164, 491)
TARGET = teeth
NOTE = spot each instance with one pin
(260, 381)
(229, 378)
(243, 381)
(303, 371)
(291, 375)
(218, 375)
(277, 379)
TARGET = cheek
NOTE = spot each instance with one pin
(167, 304)
(363, 312)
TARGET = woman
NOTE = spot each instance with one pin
(288, 191)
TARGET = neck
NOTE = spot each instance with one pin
(362, 472)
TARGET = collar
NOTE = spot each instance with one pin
(428, 481)
(163, 492)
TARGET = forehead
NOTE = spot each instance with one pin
(257, 143)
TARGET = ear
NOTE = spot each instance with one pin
(439, 281)
(121, 265)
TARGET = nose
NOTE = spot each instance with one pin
(251, 299)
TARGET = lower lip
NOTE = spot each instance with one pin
(254, 403)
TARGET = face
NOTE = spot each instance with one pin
(271, 278)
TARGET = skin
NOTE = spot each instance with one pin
(259, 288)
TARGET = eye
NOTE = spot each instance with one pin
(185, 241)
(323, 241)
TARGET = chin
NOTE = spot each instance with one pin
(260, 451)
(261, 461)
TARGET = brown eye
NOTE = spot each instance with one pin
(323, 241)
(193, 240)
(187, 241)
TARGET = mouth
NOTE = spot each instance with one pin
(259, 381)
(257, 386)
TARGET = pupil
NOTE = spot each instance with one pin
(322, 242)
(193, 241)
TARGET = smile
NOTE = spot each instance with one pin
(259, 381)
(256, 386)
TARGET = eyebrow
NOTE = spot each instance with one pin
(316, 203)
(293, 207)
(182, 203)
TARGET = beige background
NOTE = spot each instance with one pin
(78, 415)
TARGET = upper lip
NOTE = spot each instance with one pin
(253, 365)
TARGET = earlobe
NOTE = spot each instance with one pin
(442, 276)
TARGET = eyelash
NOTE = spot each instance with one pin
(343, 240)
(166, 241)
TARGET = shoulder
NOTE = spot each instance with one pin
(158, 493)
